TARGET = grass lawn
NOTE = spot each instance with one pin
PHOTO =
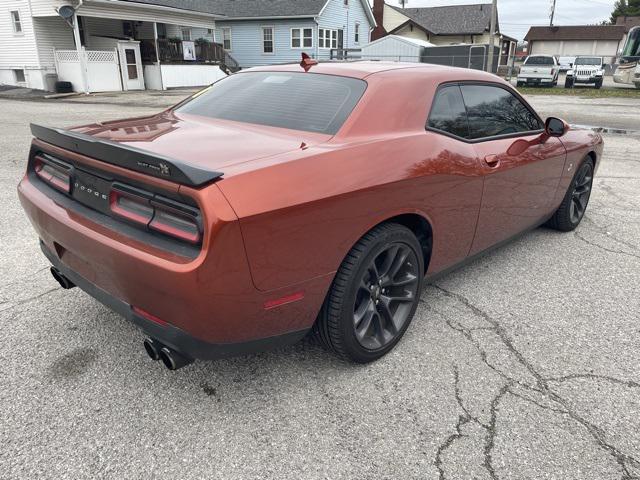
(583, 92)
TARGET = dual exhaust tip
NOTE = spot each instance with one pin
(156, 350)
(170, 358)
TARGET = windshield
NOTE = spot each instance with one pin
(589, 61)
(632, 47)
(539, 61)
(298, 101)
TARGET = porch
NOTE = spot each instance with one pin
(120, 55)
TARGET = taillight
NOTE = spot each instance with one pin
(176, 224)
(56, 174)
(130, 204)
(157, 213)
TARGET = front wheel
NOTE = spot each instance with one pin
(574, 205)
(599, 84)
(568, 82)
(374, 296)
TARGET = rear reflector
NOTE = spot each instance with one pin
(150, 316)
(294, 297)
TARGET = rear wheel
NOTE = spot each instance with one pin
(574, 205)
(374, 295)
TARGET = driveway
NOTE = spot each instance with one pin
(524, 364)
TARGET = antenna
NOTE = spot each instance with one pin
(403, 3)
(553, 12)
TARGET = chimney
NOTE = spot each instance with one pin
(378, 14)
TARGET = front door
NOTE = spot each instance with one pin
(519, 189)
(131, 65)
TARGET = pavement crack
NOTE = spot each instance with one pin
(624, 460)
(610, 250)
(500, 332)
(492, 431)
(26, 300)
(591, 376)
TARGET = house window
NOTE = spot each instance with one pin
(19, 74)
(329, 38)
(356, 35)
(15, 19)
(186, 33)
(267, 40)
(301, 37)
(162, 30)
(209, 31)
(226, 38)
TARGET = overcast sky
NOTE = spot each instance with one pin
(516, 16)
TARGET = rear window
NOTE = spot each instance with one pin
(588, 61)
(539, 61)
(299, 101)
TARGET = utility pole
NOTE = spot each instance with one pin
(553, 12)
(492, 35)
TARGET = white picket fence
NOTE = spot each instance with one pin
(103, 69)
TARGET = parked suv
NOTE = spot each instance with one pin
(586, 70)
(566, 63)
(539, 70)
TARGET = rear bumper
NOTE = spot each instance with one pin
(536, 80)
(170, 335)
(210, 303)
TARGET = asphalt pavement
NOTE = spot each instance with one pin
(522, 365)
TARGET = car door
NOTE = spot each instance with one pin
(519, 187)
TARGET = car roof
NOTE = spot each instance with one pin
(363, 69)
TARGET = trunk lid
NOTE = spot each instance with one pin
(195, 142)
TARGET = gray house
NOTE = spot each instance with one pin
(262, 32)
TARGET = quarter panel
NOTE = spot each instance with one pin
(300, 218)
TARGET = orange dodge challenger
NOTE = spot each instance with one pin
(304, 198)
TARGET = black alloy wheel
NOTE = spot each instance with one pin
(575, 202)
(581, 192)
(374, 295)
(386, 293)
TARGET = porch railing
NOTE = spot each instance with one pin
(170, 51)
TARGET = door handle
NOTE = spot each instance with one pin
(492, 160)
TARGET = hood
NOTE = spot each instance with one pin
(201, 142)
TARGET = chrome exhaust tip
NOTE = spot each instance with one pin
(173, 360)
(152, 347)
(61, 279)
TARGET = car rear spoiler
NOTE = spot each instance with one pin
(125, 156)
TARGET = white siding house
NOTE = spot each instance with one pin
(315, 27)
(120, 47)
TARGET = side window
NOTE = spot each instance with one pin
(495, 111)
(448, 113)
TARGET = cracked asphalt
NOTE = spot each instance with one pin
(522, 365)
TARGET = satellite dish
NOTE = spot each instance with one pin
(66, 12)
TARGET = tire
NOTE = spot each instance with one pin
(351, 322)
(598, 84)
(565, 219)
(568, 83)
(519, 84)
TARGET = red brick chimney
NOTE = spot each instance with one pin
(378, 13)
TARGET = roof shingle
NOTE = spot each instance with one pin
(245, 8)
(577, 32)
(451, 20)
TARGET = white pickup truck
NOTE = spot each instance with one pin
(539, 70)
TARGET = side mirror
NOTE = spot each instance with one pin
(554, 127)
